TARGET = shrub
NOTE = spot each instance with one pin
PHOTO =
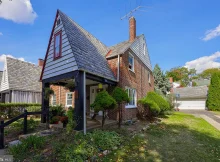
(84, 147)
(120, 96)
(159, 100)
(103, 102)
(10, 110)
(213, 100)
(71, 120)
(55, 119)
(29, 145)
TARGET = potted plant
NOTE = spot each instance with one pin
(70, 86)
(48, 91)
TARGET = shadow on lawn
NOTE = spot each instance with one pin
(170, 142)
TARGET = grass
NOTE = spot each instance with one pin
(180, 137)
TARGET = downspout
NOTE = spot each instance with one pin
(84, 102)
(118, 68)
(59, 94)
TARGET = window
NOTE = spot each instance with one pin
(149, 77)
(69, 98)
(58, 22)
(53, 100)
(4, 76)
(132, 96)
(144, 48)
(131, 62)
(57, 44)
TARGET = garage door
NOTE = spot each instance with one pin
(191, 104)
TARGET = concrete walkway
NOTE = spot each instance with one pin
(210, 117)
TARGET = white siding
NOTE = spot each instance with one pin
(138, 48)
(4, 83)
(66, 63)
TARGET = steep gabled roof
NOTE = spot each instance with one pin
(1, 72)
(23, 75)
(89, 52)
(192, 92)
(136, 46)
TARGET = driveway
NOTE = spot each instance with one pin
(210, 117)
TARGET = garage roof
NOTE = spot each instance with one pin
(192, 92)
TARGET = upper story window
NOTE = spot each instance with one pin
(4, 76)
(58, 22)
(57, 44)
(131, 62)
(144, 48)
(149, 77)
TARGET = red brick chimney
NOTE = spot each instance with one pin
(40, 62)
(132, 29)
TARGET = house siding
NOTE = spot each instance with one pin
(4, 84)
(60, 93)
(66, 63)
(137, 80)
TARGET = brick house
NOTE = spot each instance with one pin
(74, 54)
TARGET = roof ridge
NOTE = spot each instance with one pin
(90, 34)
(22, 61)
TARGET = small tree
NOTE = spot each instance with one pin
(120, 96)
(103, 102)
(213, 101)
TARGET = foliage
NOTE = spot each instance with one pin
(150, 104)
(194, 84)
(71, 120)
(159, 100)
(181, 74)
(57, 110)
(206, 74)
(55, 119)
(10, 110)
(48, 91)
(19, 124)
(120, 96)
(161, 82)
(103, 102)
(29, 145)
(213, 100)
(84, 147)
(70, 86)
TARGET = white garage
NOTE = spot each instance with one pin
(191, 97)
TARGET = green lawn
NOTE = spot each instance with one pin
(179, 137)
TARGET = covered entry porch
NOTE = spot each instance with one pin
(86, 87)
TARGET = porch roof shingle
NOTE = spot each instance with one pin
(89, 52)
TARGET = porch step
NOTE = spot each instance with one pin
(41, 134)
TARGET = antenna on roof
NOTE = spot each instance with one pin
(131, 13)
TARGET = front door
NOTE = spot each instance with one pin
(93, 93)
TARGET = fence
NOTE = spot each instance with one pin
(24, 115)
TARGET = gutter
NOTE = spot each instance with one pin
(118, 75)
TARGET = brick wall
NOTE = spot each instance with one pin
(61, 95)
(137, 80)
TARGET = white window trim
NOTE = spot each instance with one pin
(132, 62)
(144, 49)
(66, 99)
(149, 77)
(135, 99)
(52, 99)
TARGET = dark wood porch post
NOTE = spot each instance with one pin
(45, 102)
(80, 101)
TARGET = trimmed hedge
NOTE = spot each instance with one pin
(159, 100)
(213, 100)
(10, 110)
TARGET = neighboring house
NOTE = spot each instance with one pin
(73, 54)
(202, 82)
(20, 82)
(191, 97)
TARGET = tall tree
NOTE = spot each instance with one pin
(161, 82)
(213, 100)
(206, 74)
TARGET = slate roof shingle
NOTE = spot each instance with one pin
(192, 92)
(23, 75)
(88, 51)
